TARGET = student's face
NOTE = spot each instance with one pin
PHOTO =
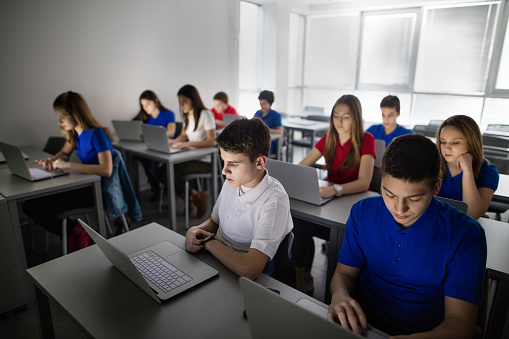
(220, 106)
(265, 106)
(239, 170)
(149, 106)
(185, 104)
(65, 120)
(407, 201)
(389, 116)
(342, 119)
(452, 144)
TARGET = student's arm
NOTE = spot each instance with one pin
(248, 265)
(196, 234)
(62, 154)
(104, 168)
(477, 199)
(356, 186)
(343, 306)
(181, 138)
(311, 158)
(220, 123)
(278, 130)
(459, 321)
(170, 130)
(209, 142)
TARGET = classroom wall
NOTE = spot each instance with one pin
(110, 51)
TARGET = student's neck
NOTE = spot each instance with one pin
(265, 113)
(259, 177)
(78, 130)
(453, 169)
(390, 129)
(344, 137)
(155, 114)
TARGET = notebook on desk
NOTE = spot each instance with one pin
(157, 140)
(128, 130)
(304, 319)
(162, 270)
(300, 182)
(18, 166)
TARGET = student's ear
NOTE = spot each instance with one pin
(261, 162)
(436, 189)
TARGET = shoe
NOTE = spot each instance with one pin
(201, 203)
(78, 240)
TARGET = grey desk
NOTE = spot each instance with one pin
(333, 215)
(133, 149)
(502, 192)
(16, 190)
(315, 127)
(105, 304)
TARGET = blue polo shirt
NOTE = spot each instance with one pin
(272, 120)
(452, 188)
(407, 272)
(163, 119)
(90, 143)
(379, 133)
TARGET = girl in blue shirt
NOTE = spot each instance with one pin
(465, 174)
(153, 112)
(92, 143)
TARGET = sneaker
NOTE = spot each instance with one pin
(201, 203)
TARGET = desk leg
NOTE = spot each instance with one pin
(98, 198)
(44, 312)
(336, 237)
(170, 175)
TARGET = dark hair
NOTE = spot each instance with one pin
(190, 92)
(222, 97)
(413, 158)
(267, 95)
(149, 95)
(250, 137)
(390, 101)
(74, 104)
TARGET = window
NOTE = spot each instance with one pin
(503, 70)
(295, 61)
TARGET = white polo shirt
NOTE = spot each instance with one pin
(205, 123)
(259, 218)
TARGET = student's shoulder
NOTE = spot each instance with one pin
(402, 130)
(369, 138)
(275, 188)
(368, 205)
(374, 128)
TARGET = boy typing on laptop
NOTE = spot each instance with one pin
(409, 264)
(252, 214)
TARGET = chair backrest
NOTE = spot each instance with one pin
(495, 140)
(483, 312)
(462, 206)
(499, 158)
(282, 265)
(54, 145)
(426, 130)
(178, 129)
(376, 180)
(379, 149)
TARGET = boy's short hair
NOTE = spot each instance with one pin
(222, 97)
(267, 95)
(390, 101)
(250, 137)
(413, 158)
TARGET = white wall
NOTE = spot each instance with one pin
(110, 51)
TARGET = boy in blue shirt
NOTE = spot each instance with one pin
(270, 117)
(389, 129)
(409, 264)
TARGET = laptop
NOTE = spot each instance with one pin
(2, 158)
(290, 320)
(300, 182)
(162, 270)
(128, 130)
(18, 166)
(229, 118)
(157, 140)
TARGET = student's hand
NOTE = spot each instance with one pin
(46, 163)
(194, 238)
(349, 314)
(61, 164)
(464, 162)
(327, 192)
(179, 144)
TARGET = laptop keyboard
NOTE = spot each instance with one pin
(159, 272)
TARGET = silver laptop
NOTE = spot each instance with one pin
(156, 139)
(300, 182)
(290, 320)
(229, 118)
(128, 130)
(162, 270)
(18, 166)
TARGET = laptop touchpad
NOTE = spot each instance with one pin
(181, 259)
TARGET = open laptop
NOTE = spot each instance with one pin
(300, 182)
(156, 139)
(290, 320)
(229, 118)
(177, 270)
(18, 166)
(128, 130)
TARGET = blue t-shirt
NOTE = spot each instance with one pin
(407, 272)
(90, 143)
(163, 119)
(272, 120)
(452, 188)
(379, 133)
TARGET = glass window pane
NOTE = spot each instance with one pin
(370, 102)
(387, 49)
(293, 106)
(503, 69)
(441, 107)
(495, 112)
(322, 98)
(454, 47)
(331, 51)
(295, 50)
(248, 45)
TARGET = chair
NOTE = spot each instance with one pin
(283, 267)
(178, 129)
(462, 206)
(483, 312)
(376, 180)
(379, 149)
(495, 141)
(426, 130)
(54, 145)
(498, 157)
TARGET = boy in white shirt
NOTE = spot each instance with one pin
(251, 216)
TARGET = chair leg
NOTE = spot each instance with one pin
(125, 223)
(161, 197)
(107, 221)
(64, 236)
(46, 243)
(186, 200)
